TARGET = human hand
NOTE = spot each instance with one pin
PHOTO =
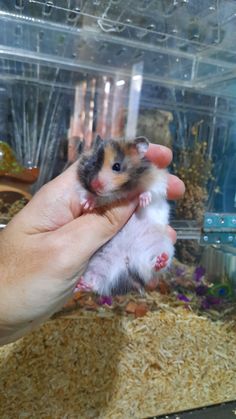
(45, 248)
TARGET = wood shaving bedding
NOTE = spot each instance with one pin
(84, 365)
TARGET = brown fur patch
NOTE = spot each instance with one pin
(115, 180)
(119, 179)
(108, 157)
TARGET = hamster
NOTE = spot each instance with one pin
(109, 171)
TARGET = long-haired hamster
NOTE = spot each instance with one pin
(117, 169)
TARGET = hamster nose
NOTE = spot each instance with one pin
(96, 184)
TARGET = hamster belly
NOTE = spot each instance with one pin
(136, 255)
(151, 250)
(106, 269)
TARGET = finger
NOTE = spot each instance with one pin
(176, 187)
(159, 155)
(172, 233)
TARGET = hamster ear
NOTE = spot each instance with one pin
(142, 145)
(80, 146)
(97, 141)
(98, 138)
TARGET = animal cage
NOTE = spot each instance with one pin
(164, 69)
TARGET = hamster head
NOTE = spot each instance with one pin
(114, 166)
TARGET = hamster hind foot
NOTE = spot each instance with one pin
(161, 262)
(82, 286)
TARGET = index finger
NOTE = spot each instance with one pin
(159, 155)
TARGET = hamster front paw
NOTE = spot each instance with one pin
(88, 204)
(145, 199)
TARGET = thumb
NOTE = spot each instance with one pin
(82, 237)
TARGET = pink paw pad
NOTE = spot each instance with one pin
(82, 286)
(88, 204)
(161, 261)
(145, 199)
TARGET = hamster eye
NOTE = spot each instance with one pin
(116, 167)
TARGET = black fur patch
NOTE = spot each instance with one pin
(123, 285)
(119, 154)
(96, 141)
(137, 278)
(126, 283)
(90, 165)
(80, 147)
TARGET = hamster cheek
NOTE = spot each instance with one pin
(119, 180)
(111, 182)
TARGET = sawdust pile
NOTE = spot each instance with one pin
(86, 365)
